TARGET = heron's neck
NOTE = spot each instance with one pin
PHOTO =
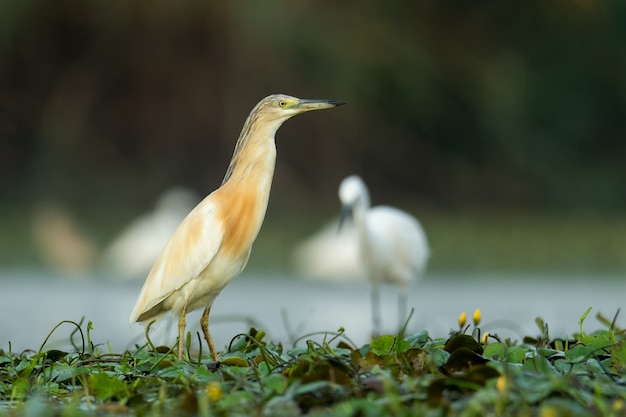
(245, 194)
(255, 144)
(253, 162)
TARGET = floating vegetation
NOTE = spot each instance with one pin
(469, 373)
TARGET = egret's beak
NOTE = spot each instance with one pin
(307, 105)
(346, 213)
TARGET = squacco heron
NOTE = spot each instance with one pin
(212, 244)
(392, 243)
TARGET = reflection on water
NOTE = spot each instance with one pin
(33, 302)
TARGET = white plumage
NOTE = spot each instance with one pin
(137, 247)
(329, 256)
(392, 243)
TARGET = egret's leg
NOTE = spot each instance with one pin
(204, 323)
(375, 310)
(182, 323)
(402, 301)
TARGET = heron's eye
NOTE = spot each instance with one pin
(282, 103)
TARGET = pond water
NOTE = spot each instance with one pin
(32, 303)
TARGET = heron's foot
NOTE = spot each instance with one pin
(214, 366)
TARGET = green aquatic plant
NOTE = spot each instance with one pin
(464, 374)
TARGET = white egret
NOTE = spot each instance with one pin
(133, 252)
(329, 256)
(393, 245)
(61, 242)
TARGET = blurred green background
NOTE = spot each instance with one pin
(499, 124)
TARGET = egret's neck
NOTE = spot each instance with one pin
(361, 206)
(359, 212)
(360, 209)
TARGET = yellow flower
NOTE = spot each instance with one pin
(501, 384)
(618, 405)
(485, 338)
(476, 317)
(462, 319)
(214, 391)
(548, 411)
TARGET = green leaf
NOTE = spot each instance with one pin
(439, 356)
(105, 387)
(463, 341)
(618, 356)
(238, 400)
(597, 340)
(387, 345)
(516, 354)
(549, 353)
(234, 361)
(582, 319)
(275, 383)
(495, 351)
(54, 355)
(20, 388)
(418, 339)
(463, 358)
(315, 386)
(61, 373)
(281, 406)
(579, 352)
(540, 365)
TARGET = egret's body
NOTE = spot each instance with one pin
(212, 244)
(61, 241)
(393, 245)
(328, 256)
(134, 251)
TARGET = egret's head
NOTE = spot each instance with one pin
(353, 195)
(352, 190)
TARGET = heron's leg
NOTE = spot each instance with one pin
(182, 323)
(375, 310)
(148, 334)
(204, 324)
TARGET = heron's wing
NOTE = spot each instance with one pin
(188, 252)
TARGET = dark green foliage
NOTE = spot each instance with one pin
(503, 103)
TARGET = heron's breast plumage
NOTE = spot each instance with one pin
(241, 214)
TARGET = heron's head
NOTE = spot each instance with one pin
(280, 107)
(354, 196)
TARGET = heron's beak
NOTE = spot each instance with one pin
(346, 213)
(307, 105)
